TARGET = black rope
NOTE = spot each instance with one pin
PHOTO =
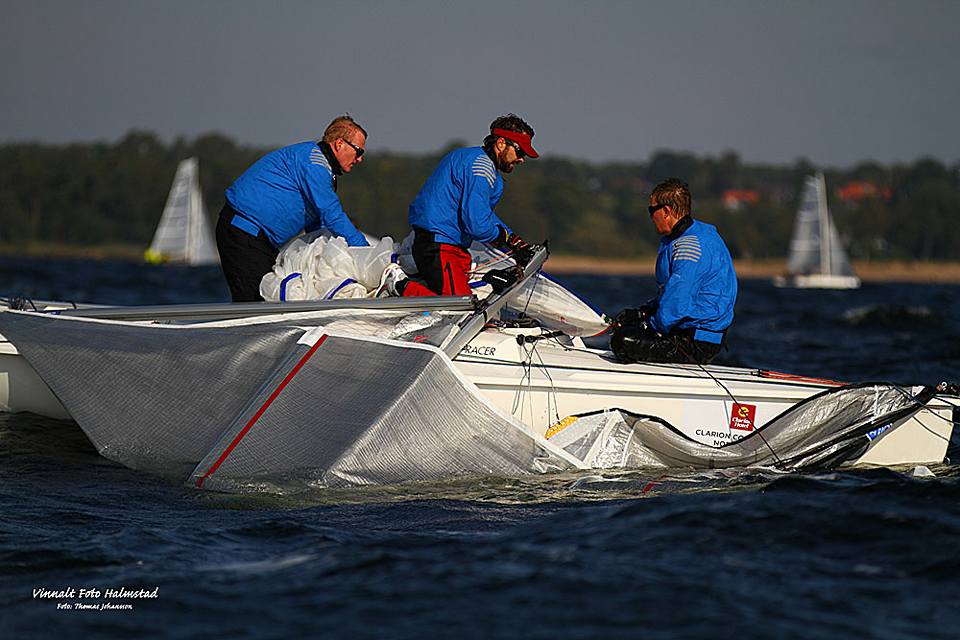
(759, 432)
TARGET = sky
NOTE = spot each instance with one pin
(834, 82)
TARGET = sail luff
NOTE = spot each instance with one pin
(805, 241)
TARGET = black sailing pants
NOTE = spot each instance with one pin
(639, 343)
(244, 258)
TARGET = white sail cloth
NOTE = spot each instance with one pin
(183, 234)
(241, 406)
(820, 432)
(815, 246)
(317, 266)
(258, 406)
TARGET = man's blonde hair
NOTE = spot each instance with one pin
(342, 127)
(676, 194)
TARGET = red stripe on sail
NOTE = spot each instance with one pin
(261, 411)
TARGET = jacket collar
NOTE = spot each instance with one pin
(332, 159)
(682, 225)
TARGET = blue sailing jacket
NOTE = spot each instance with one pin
(288, 191)
(697, 286)
(457, 200)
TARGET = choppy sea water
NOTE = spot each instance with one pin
(749, 553)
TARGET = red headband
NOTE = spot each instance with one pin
(523, 139)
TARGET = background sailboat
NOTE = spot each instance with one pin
(817, 258)
(184, 235)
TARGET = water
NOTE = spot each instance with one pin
(865, 554)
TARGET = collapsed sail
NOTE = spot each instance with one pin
(183, 235)
(354, 397)
(237, 406)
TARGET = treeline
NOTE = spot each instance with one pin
(112, 194)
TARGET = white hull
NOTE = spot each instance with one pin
(542, 383)
(563, 382)
(818, 281)
(21, 389)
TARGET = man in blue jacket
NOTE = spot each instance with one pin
(696, 288)
(455, 207)
(284, 193)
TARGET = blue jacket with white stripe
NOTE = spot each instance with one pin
(457, 200)
(697, 286)
(288, 191)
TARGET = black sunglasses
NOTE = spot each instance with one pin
(520, 152)
(652, 209)
(359, 150)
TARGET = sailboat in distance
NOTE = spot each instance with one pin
(184, 235)
(817, 258)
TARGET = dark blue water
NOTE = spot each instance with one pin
(865, 554)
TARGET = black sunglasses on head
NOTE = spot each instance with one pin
(653, 208)
(359, 150)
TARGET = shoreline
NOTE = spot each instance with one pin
(894, 271)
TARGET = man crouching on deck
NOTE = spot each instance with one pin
(696, 289)
(455, 207)
(284, 193)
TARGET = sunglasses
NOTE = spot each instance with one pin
(516, 147)
(652, 209)
(359, 150)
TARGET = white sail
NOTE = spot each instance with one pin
(184, 235)
(817, 257)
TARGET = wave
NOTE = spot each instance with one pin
(891, 316)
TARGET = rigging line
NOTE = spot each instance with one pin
(524, 363)
(712, 377)
(533, 288)
(924, 407)
(759, 432)
(488, 263)
(553, 388)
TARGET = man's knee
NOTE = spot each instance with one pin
(635, 343)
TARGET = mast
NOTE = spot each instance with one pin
(823, 216)
(195, 217)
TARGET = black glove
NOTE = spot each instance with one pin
(501, 279)
(647, 311)
(628, 317)
(512, 243)
(635, 316)
(522, 252)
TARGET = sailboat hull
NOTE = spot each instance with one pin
(818, 281)
(549, 384)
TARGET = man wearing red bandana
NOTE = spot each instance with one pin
(455, 208)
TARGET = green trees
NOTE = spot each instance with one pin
(112, 194)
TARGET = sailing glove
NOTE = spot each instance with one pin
(514, 244)
(502, 279)
(635, 316)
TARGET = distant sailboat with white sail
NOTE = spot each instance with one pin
(817, 258)
(184, 235)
